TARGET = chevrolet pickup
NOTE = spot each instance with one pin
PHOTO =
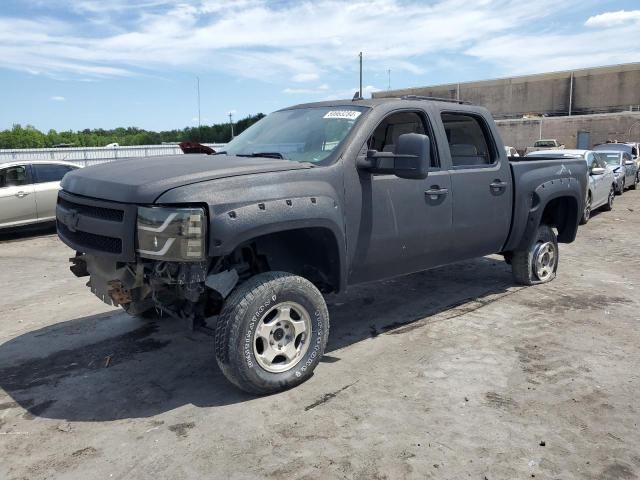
(309, 200)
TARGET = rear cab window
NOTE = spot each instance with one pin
(470, 143)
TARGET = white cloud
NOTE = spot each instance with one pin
(610, 19)
(305, 77)
(58, 98)
(258, 39)
(527, 53)
(307, 91)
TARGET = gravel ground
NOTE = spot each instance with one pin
(449, 374)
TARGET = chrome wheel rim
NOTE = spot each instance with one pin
(281, 338)
(544, 259)
(587, 209)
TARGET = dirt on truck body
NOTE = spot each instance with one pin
(309, 200)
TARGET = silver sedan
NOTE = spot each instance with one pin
(29, 190)
(623, 167)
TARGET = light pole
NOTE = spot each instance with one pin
(198, 89)
(231, 123)
(361, 97)
(541, 120)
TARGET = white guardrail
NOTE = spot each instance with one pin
(86, 156)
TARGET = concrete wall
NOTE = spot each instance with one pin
(595, 90)
(521, 133)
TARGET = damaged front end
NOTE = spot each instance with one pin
(171, 288)
(159, 263)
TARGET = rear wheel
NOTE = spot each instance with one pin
(621, 189)
(539, 263)
(271, 333)
(587, 210)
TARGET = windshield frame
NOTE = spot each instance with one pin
(335, 152)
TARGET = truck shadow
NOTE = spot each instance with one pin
(77, 372)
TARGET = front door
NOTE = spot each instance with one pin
(17, 198)
(482, 186)
(405, 224)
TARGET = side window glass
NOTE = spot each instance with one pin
(468, 141)
(49, 173)
(13, 176)
(594, 164)
(385, 136)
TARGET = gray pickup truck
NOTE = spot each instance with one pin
(306, 202)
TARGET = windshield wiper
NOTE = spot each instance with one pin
(262, 154)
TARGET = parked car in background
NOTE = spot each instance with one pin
(29, 190)
(544, 144)
(632, 148)
(623, 167)
(601, 186)
(511, 151)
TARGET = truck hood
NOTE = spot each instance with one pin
(143, 180)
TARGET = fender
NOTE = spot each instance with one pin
(543, 195)
(232, 227)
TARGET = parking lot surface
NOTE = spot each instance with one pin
(452, 373)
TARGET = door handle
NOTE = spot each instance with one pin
(21, 194)
(436, 191)
(498, 185)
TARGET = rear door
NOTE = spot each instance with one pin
(482, 185)
(17, 198)
(47, 178)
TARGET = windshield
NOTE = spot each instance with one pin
(299, 134)
(609, 158)
(619, 147)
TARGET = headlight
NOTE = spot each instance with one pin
(176, 234)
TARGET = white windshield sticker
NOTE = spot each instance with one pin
(347, 114)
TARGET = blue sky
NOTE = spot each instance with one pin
(104, 63)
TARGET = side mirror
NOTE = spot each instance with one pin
(597, 171)
(413, 156)
(629, 162)
(410, 160)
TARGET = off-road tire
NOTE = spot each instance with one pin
(522, 262)
(240, 315)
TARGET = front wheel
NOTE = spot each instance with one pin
(621, 188)
(539, 263)
(635, 182)
(586, 214)
(271, 333)
(612, 195)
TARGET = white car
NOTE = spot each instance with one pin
(511, 151)
(29, 191)
(601, 186)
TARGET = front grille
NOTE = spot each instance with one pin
(90, 240)
(102, 213)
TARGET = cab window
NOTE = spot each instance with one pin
(385, 136)
(14, 176)
(468, 140)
